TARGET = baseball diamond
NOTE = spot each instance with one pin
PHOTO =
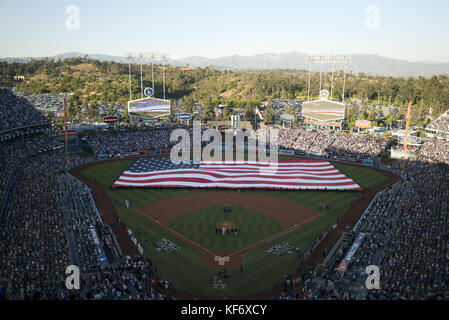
(189, 217)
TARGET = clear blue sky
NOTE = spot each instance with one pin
(410, 30)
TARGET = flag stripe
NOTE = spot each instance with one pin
(197, 184)
(240, 177)
(290, 174)
(221, 175)
(258, 171)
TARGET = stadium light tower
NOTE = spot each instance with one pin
(152, 56)
(139, 56)
(164, 58)
(129, 58)
(143, 58)
(326, 58)
(147, 56)
(141, 75)
(309, 62)
(332, 84)
(347, 59)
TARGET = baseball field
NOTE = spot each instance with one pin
(185, 230)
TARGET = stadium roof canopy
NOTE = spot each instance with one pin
(323, 110)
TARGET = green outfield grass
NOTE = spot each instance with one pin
(252, 227)
(261, 270)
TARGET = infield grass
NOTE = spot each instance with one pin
(251, 227)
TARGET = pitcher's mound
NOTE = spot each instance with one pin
(226, 225)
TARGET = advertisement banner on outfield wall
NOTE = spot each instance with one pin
(286, 152)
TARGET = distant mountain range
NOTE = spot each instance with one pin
(366, 63)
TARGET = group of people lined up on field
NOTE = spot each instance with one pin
(226, 231)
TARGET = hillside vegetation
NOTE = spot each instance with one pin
(94, 82)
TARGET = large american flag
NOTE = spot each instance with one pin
(285, 174)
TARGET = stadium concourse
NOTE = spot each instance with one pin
(48, 220)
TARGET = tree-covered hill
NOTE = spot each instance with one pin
(93, 81)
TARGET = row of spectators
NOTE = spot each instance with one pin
(108, 142)
(328, 142)
(17, 112)
(130, 279)
(45, 101)
(129, 141)
(441, 123)
(435, 149)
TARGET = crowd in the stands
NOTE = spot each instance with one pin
(49, 223)
(108, 142)
(407, 237)
(45, 101)
(17, 112)
(434, 149)
(441, 123)
(129, 141)
(14, 150)
(331, 143)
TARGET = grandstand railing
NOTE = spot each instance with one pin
(356, 226)
(24, 127)
(98, 213)
(91, 199)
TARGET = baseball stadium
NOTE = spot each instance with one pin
(235, 175)
(197, 222)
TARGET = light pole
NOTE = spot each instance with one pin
(141, 78)
(129, 67)
(309, 61)
(332, 85)
(164, 58)
(152, 70)
(344, 82)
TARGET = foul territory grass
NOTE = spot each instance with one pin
(260, 270)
